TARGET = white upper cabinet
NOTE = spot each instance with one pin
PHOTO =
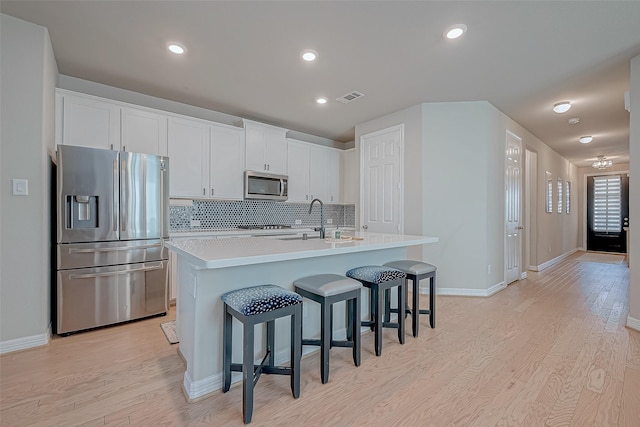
(188, 158)
(226, 163)
(88, 122)
(206, 160)
(298, 166)
(314, 172)
(350, 176)
(266, 148)
(143, 132)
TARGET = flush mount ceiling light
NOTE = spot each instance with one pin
(562, 107)
(321, 100)
(309, 55)
(455, 31)
(585, 139)
(176, 48)
(574, 120)
(602, 163)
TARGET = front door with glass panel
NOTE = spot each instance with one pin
(607, 208)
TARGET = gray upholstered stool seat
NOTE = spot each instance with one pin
(251, 306)
(417, 271)
(328, 289)
(379, 280)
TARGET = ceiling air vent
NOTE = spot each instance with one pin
(351, 96)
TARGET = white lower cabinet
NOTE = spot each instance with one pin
(314, 172)
(206, 160)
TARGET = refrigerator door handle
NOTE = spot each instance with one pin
(113, 273)
(124, 185)
(127, 248)
(115, 196)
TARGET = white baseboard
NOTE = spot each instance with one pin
(469, 292)
(25, 342)
(633, 323)
(553, 261)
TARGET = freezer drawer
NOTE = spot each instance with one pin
(85, 255)
(92, 297)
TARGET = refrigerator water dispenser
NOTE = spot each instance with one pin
(82, 211)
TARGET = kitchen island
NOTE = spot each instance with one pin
(207, 268)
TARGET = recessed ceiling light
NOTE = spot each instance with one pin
(574, 120)
(562, 107)
(585, 139)
(176, 48)
(455, 31)
(321, 100)
(309, 55)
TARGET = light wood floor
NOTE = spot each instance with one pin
(549, 350)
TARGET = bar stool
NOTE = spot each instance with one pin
(251, 306)
(417, 271)
(328, 289)
(378, 279)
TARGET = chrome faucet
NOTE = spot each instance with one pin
(321, 228)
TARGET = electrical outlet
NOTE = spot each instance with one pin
(298, 222)
(329, 221)
(195, 223)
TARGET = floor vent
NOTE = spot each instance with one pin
(351, 96)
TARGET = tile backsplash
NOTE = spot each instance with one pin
(229, 214)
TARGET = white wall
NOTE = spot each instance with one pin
(634, 199)
(29, 75)
(454, 189)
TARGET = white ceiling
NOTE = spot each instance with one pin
(243, 58)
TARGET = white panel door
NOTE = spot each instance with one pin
(513, 208)
(226, 169)
(144, 132)
(188, 158)
(381, 177)
(90, 123)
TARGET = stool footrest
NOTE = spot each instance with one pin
(409, 311)
(277, 370)
(334, 343)
(393, 325)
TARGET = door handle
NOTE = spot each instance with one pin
(115, 248)
(365, 227)
(113, 273)
(519, 228)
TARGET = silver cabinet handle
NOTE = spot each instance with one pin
(124, 148)
(365, 227)
(519, 228)
(212, 191)
(204, 191)
(265, 166)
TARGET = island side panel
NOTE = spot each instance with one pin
(200, 310)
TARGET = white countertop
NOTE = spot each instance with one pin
(218, 253)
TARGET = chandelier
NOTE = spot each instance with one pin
(602, 163)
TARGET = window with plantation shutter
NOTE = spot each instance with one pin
(607, 204)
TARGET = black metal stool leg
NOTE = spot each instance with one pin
(402, 303)
(227, 346)
(271, 340)
(296, 350)
(247, 373)
(355, 316)
(325, 341)
(387, 305)
(378, 320)
(415, 313)
(432, 301)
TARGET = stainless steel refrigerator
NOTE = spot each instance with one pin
(112, 219)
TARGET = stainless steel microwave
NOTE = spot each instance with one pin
(265, 186)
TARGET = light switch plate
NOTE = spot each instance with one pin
(20, 187)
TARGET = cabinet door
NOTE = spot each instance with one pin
(298, 160)
(318, 173)
(226, 163)
(276, 151)
(333, 176)
(144, 132)
(255, 148)
(188, 158)
(350, 176)
(90, 123)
